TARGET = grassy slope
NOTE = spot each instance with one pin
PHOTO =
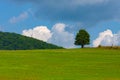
(79, 64)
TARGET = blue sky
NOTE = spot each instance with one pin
(96, 16)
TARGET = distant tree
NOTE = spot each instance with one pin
(82, 38)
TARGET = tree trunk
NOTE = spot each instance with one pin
(82, 46)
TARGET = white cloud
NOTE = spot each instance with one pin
(61, 37)
(107, 38)
(19, 18)
(39, 32)
(116, 39)
(58, 35)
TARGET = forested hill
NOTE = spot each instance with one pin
(13, 41)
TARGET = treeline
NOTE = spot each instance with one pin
(109, 47)
(13, 41)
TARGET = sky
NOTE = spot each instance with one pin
(58, 21)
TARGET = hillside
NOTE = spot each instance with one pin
(13, 41)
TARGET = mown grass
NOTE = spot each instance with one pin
(71, 64)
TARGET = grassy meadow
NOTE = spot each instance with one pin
(61, 64)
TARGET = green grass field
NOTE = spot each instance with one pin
(71, 64)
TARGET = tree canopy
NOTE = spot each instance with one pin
(82, 38)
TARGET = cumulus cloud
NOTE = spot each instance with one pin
(88, 12)
(57, 35)
(39, 32)
(19, 18)
(61, 37)
(107, 38)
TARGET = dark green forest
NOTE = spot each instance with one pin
(13, 41)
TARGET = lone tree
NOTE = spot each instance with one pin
(82, 38)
